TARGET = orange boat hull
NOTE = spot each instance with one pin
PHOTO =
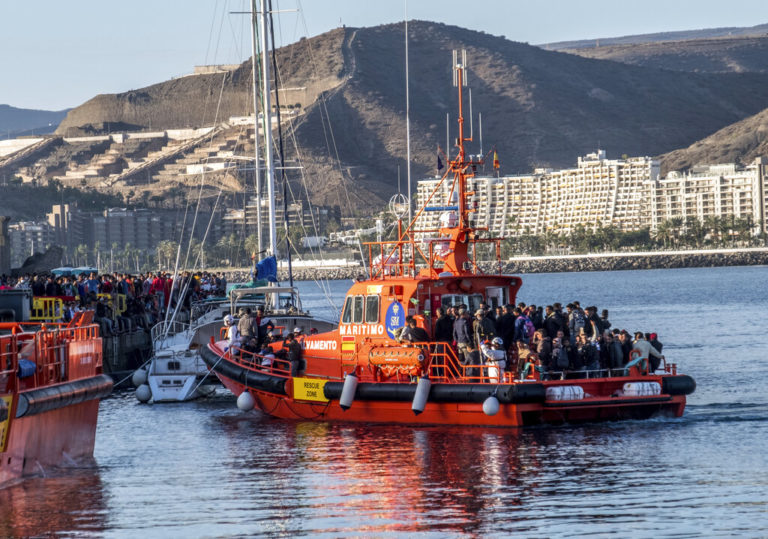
(509, 415)
(59, 437)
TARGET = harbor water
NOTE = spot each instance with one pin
(205, 469)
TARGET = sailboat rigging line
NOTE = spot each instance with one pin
(323, 284)
(280, 146)
(324, 107)
(408, 230)
(183, 290)
(202, 176)
(215, 55)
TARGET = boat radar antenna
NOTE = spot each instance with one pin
(461, 165)
(448, 251)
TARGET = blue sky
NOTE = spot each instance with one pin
(58, 54)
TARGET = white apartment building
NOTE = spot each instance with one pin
(624, 193)
(608, 191)
(710, 191)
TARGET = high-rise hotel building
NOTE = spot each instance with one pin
(624, 193)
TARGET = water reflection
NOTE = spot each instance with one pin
(69, 504)
(341, 479)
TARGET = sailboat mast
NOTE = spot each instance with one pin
(267, 110)
(256, 171)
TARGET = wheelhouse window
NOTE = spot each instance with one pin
(372, 310)
(472, 301)
(346, 316)
(357, 310)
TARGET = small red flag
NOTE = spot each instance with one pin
(496, 163)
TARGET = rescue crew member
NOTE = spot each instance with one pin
(496, 358)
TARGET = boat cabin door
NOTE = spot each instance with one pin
(496, 296)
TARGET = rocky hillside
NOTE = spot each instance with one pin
(704, 33)
(740, 143)
(539, 107)
(203, 100)
(715, 55)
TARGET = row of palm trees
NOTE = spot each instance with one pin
(713, 231)
(676, 233)
(231, 250)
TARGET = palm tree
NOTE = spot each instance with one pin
(166, 251)
(252, 245)
(81, 255)
(676, 225)
(663, 233)
(712, 226)
(695, 231)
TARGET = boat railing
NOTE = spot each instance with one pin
(199, 309)
(49, 356)
(167, 329)
(255, 362)
(9, 365)
(388, 258)
(223, 331)
(446, 367)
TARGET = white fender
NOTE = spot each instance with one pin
(348, 391)
(491, 405)
(246, 402)
(421, 395)
(143, 393)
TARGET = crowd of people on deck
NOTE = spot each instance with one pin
(558, 343)
(254, 335)
(147, 295)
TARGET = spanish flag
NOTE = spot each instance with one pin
(496, 163)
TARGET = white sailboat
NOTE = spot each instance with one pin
(176, 371)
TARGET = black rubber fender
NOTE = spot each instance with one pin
(37, 401)
(680, 384)
(257, 380)
(373, 392)
(464, 393)
(527, 392)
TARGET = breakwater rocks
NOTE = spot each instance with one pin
(566, 263)
(303, 274)
(636, 261)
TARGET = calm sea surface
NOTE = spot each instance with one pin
(205, 469)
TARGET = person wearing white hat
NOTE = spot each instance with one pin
(233, 335)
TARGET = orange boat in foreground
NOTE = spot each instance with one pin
(50, 384)
(360, 372)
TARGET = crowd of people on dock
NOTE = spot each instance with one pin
(556, 342)
(147, 296)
